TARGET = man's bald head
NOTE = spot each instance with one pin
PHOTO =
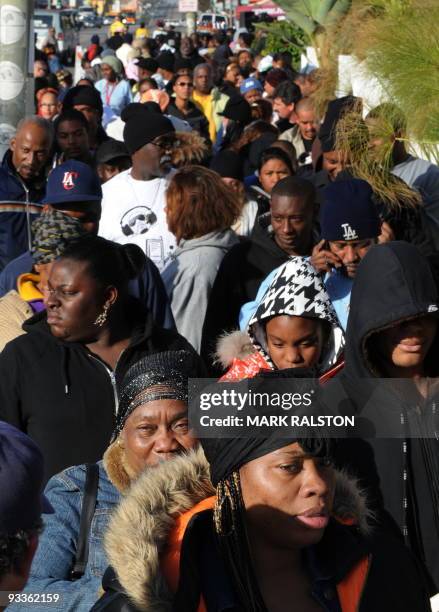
(39, 122)
(306, 118)
(31, 146)
(305, 104)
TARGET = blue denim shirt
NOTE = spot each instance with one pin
(57, 546)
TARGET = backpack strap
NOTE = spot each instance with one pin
(87, 512)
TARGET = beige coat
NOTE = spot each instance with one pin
(294, 137)
(13, 313)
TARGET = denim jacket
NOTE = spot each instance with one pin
(54, 557)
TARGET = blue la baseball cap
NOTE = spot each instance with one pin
(348, 211)
(249, 84)
(21, 481)
(72, 181)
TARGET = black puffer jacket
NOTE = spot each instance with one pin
(400, 462)
(63, 396)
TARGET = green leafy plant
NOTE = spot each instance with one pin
(404, 55)
(367, 147)
(315, 17)
(284, 36)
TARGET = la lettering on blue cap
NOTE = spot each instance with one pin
(349, 212)
(21, 481)
(72, 181)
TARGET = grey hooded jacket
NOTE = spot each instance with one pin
(189, 278)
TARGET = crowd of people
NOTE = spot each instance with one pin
(186, 210)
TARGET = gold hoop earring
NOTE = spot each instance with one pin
(100, 320)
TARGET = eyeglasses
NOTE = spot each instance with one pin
(156, 144)
(185, 84)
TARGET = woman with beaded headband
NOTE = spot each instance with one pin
(151, 428)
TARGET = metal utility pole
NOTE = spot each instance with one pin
(191, 23)
(190, 8)
(16, 66)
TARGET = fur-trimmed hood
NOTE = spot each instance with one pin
(184, 147)
(233, 345)
(139, 529)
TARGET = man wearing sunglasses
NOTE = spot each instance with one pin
(182, 106)
(141, 188)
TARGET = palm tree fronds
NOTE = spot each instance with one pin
(368, 150)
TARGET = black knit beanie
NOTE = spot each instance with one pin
(142, 126)
(83, 94)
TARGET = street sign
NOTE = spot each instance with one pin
(188, 6)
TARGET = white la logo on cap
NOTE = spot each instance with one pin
(348, 232)
(68, 180)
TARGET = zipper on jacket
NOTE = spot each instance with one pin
(112, 376)
(27, 202)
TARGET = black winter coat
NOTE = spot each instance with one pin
(14, 224)
(63, 396)
(399, 463)
(393, 581)
(196, 118)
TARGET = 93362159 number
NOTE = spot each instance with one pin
(7, 598)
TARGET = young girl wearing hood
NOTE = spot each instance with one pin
(291, 324)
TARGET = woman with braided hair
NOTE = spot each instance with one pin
(285, 531)
(292, 533)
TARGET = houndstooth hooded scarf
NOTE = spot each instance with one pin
(298, 290)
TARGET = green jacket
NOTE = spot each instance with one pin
(219, 101)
